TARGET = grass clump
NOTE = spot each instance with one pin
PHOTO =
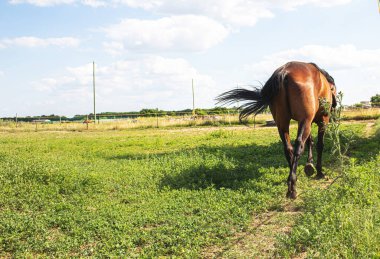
(343, 220)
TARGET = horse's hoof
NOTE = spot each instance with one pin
(291, 195)
(320, 176)
(309, 169)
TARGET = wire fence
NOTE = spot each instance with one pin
(125, 121)
(115, 116)
(116, 121)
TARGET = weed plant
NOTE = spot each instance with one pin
(342, 220)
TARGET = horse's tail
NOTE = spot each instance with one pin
(258, 98)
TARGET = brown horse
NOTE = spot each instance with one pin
(299, 91)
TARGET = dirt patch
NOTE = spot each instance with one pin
(259, 239)
(368, 129)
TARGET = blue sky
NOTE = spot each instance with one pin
(147, 52)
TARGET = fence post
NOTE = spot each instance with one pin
(229, 118)
(16, 120)
(157, 117)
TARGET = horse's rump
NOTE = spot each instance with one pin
(299, 90)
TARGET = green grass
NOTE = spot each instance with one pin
(342, 221)
(153, 192)
(137, 192)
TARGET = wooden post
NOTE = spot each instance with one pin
(157, 117)
(93, 84)
(229, 118)
(16, 120)
(192, 86)
(238, 104)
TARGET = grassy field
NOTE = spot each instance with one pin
(187, 192)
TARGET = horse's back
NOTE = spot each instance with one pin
(302, 87)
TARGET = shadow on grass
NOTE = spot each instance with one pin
(248, 166)
(248, 163)
(365, 149)
(259, 163)
(138, 156)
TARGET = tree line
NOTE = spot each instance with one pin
(132, 114)
(375, 102)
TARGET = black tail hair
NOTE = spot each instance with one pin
(258, 98)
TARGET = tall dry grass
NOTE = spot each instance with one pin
(141, 122)
(164, 122)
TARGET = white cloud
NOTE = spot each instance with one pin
(292, 4)
(94, 3)
(42, 2)
(335, 58)
(51, 84)
(45, 3)
(355, 70)
(32, 42)
(150, 82)
(186, 32)
(237, 12)
(114, 48)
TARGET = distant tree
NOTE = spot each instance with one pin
(185, 112)
(148, 111)
(152, 112)
(200, 112)
(171, 113)
(78, 117)
(375, 100)
(219, 110)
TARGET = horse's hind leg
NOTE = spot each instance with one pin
(302, 135)
(288, 148)
(320, 145)
(309, 167)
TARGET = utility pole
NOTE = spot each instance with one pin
(192, 86)
(157, 117)
(237, 87)
(93, 84)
